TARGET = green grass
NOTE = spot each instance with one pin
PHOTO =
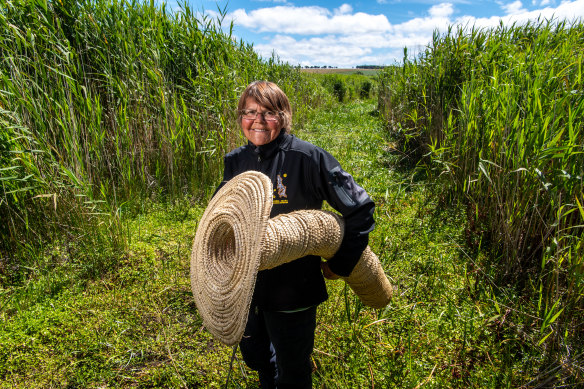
(437, 331)
(494, 116)
(346, 87)
(135, 323)
(112, 144)
(104, 105)
(343, 71)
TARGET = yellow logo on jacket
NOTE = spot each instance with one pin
(280, 190)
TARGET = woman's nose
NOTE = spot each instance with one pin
(258, 115)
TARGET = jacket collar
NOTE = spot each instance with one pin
(268, 150)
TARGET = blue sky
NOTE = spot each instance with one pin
(351, 33)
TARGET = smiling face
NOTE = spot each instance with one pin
(259, 131)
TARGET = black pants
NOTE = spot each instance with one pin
(278, 345)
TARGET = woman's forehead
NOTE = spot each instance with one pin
(251, 103)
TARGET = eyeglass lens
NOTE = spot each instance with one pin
(252, 115)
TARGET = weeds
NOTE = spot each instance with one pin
(492, 114)
(106, 104)
(114, 117)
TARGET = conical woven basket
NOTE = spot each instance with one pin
(235, 239)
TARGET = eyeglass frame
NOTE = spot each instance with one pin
(277, 115)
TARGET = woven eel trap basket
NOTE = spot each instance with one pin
(236, 238)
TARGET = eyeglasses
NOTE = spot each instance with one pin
(269, 116)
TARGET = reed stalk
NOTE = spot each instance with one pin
(106, 103)
(496, 116)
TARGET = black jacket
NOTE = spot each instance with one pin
(303, 176)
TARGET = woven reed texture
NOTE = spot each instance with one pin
(314, 232)
(369, 282)
(227, 253)
(297, 234)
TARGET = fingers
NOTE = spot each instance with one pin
(327, 272)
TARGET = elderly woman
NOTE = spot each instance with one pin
(279, 334)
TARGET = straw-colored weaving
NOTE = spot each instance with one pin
(235, 239)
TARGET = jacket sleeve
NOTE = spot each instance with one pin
(340, 190)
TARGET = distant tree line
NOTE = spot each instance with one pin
(336, 67)
(370, 67)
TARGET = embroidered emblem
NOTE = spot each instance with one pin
(281, 187)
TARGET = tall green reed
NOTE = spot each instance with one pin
(497, 116)
(104, 103)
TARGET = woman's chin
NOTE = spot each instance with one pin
(260, 138)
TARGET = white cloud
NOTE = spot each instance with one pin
(513, 8)
(316, 36)
(344, 9)
(568, 10)
(310, 20)
(443, 10)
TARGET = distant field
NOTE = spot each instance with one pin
(369, 72)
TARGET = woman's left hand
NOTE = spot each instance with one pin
(327, 272)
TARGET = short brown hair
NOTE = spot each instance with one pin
(269, 95)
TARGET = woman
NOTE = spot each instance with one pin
(279, 335)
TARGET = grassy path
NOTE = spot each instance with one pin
(135, 324)
(433, 334)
